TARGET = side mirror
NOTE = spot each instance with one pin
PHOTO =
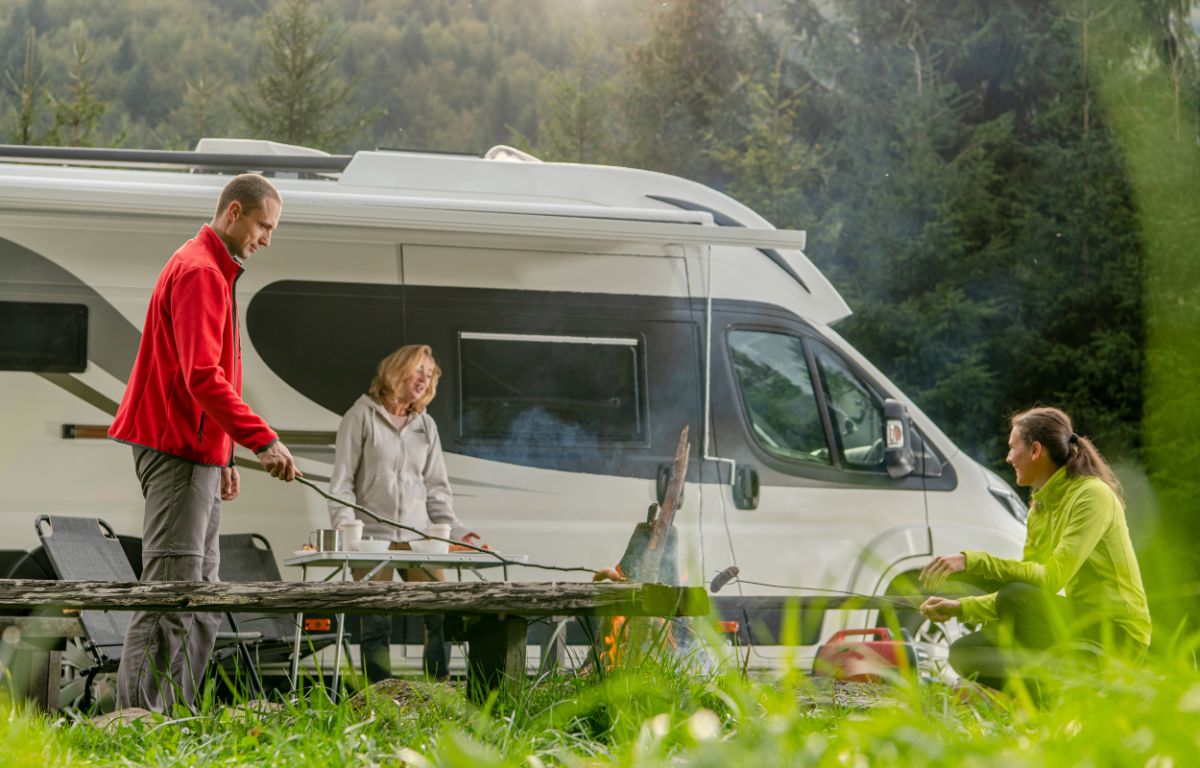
(745, 488)
(897, 435)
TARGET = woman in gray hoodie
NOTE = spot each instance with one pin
(389, 460)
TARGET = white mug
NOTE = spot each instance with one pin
(441, 530)
(352, 531)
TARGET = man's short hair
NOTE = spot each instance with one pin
(249, 189)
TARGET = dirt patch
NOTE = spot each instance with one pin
(123, 717)
(824, 692)
(403, 694)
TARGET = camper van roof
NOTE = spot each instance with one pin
(511, 194)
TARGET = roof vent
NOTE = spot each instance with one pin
(254, 147)
(509, 154)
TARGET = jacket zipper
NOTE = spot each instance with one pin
(237, 344)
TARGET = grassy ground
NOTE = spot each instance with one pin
(661, 713)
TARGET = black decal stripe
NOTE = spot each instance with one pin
(83, 391)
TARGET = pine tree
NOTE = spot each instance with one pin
(301, 99)
(76, 117)
(771, 167)
(201, 93)
(575, 123)
(983, 237)
(681, 90)
(29, 90)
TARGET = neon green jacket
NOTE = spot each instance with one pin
(1077, 539)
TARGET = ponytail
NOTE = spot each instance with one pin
(1052, 428)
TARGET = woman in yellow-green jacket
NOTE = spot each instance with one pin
(1077, 542)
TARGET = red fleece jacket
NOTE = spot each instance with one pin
(184, 395)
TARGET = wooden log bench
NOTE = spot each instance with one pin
(496, 636)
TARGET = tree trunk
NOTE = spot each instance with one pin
(495, 598)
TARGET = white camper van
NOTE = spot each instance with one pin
(582, 316)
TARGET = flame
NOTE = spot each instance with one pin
(610, 654)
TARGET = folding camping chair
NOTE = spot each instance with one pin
(248, 557)
(87, 549)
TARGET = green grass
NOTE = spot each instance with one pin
(662, 713)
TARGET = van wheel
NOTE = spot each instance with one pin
(931, 642)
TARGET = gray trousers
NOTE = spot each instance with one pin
(165, 653)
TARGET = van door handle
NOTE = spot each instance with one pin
(662, 481)
(745, 488)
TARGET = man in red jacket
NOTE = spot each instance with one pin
(182, 412)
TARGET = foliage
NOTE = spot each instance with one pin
(769, 163)
(76, 116)
(574, 124)
(300, 99)
(981, 231)
(28, 90)
(1144, 53)
(680, 86)
(433, 74)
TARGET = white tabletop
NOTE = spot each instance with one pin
(473, 560)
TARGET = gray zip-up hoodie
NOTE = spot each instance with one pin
(398, 474)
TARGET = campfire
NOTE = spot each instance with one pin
(650, 556)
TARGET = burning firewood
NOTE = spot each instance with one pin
(610, 574)
(650, 557)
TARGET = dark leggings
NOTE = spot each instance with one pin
(1028, 619)
(376, 643)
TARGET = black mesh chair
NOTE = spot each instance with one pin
(248, 557)
(87, 549)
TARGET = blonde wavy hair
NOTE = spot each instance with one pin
(397, 367)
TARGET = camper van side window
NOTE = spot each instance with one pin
(855, 411)
(43, 337)
(575, 391)
(777, 391)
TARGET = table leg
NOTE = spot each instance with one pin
(554, 647)
(341, 633)
(495, 652)
(296, 642)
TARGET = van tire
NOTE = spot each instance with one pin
(930, 640)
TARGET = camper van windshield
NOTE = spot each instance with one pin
(777, 391)
(558, 390)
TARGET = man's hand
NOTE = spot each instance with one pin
(470, 538)
(278, 461)
(941, 568)
(941, 609)
(230, 483)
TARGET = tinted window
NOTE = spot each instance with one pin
(856, 413)
(558, 390)
(777, 391)
(43, 338)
